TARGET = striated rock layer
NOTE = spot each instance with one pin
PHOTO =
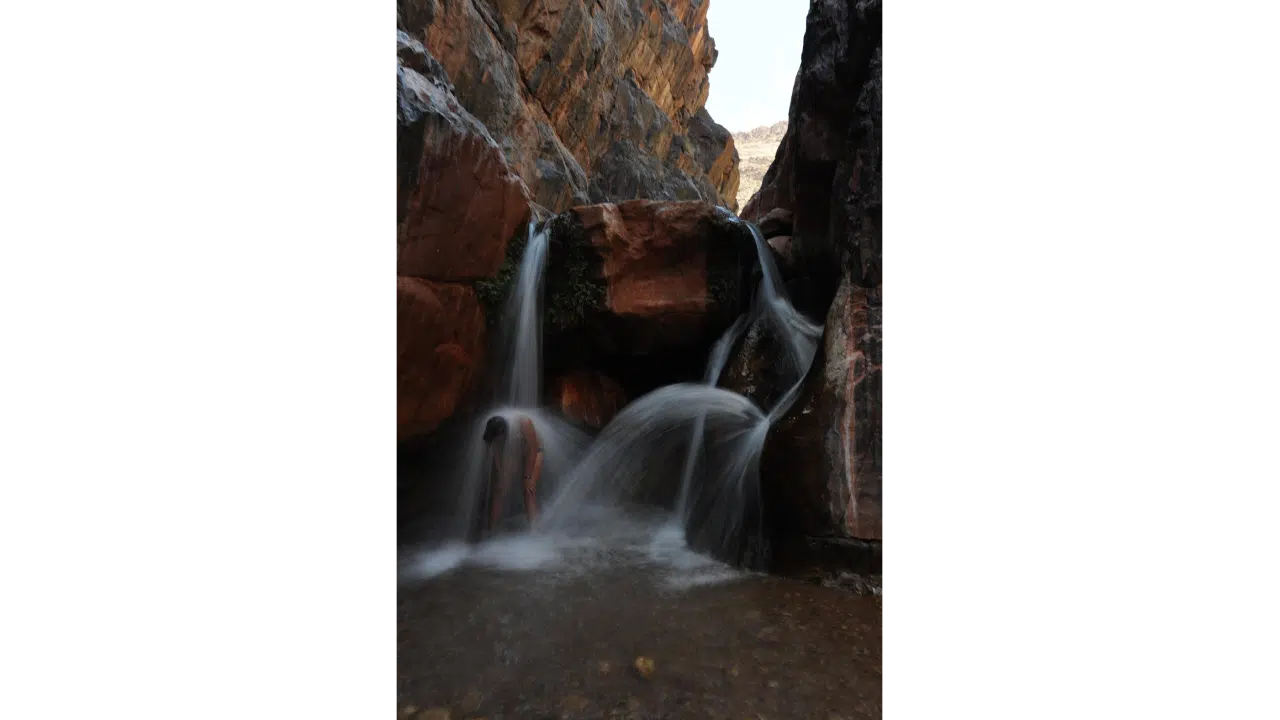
(592, 100)
(821, 471)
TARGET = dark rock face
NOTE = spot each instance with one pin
(757, 367)
(827, 170)
(821, 468)
(776, 222)
(593, 100)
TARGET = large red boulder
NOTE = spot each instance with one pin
(459, 203)
(654, 275)
(588, 398)
(439, 351)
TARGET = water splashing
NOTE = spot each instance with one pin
(694, 449)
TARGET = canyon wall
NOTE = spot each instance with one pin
(591, 100)
(510, 110)
(821, 468)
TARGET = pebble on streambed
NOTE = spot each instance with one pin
(644, 666)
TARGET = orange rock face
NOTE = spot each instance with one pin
(440, 344)
(593, 100)
(658, 263)
(588, 397)
(651, 260)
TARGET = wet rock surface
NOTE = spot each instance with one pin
(821, 468)
(634, 635)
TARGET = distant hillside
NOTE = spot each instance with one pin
(756, 149)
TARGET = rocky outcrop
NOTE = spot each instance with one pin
(594, 100)
(821, 469)
(439, 347)
(458, 206)
(588, 398)
(669, 273)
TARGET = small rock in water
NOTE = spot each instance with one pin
(435, 714)
(604, 667)
(774, 683)
(734, 671)
(644, 666)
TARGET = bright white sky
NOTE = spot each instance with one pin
(759, 43)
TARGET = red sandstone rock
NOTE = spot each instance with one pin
(652, 259)
(459, 202)
(440, 342)
(656, 260)
(588, 397)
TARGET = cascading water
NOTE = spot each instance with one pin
(644, 442)
(715, 366)
(799, 335)
(518, 379)
(696, 445)
(735, 492)
(520, 369)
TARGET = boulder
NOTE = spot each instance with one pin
(777, 221)
(588, 398)
(665, 274)
(439, 350)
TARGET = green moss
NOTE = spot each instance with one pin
(493, 292)
(575, 286)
